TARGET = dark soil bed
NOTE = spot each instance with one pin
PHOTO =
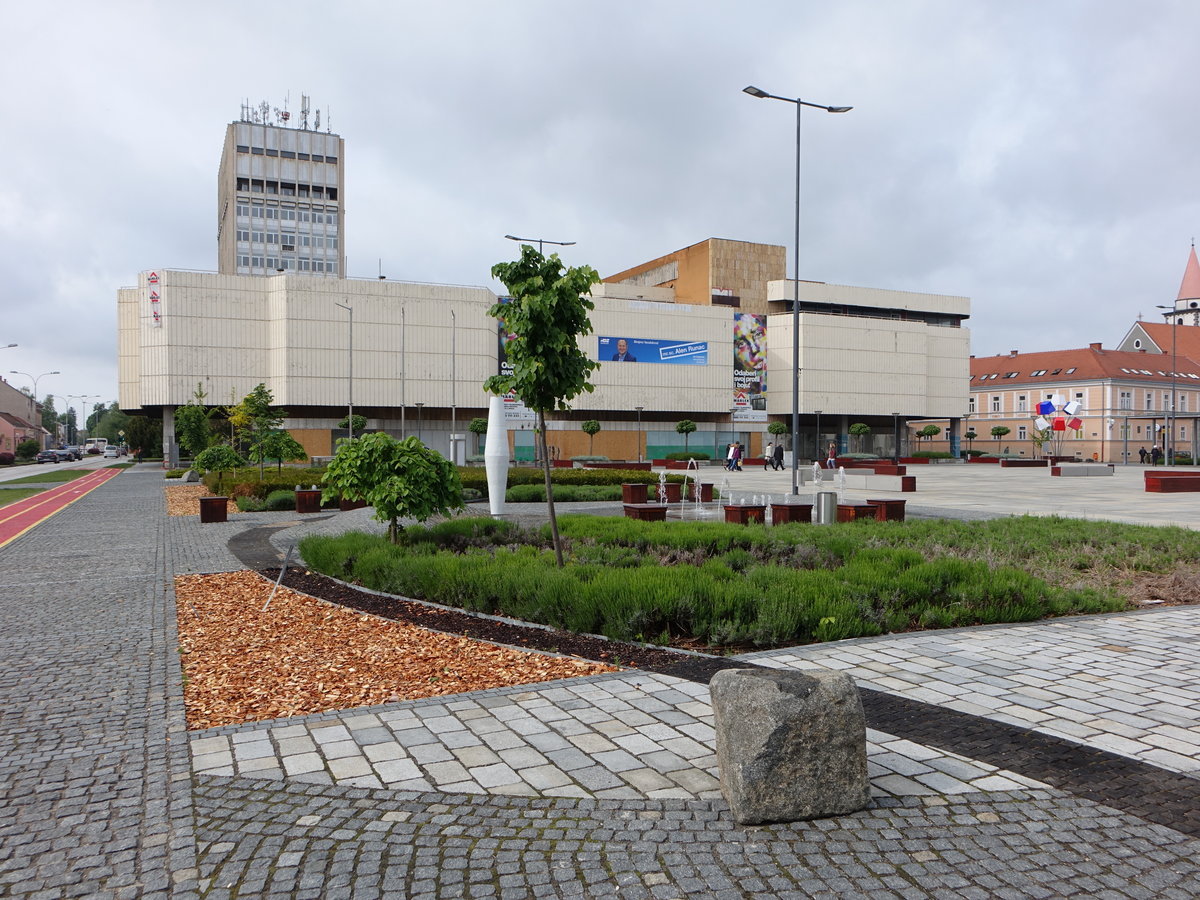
(689, 666)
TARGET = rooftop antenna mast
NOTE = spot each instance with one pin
(304, 111)
(317, 124)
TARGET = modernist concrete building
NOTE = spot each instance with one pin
(1123, 395)
(280, 197)
(704, 333)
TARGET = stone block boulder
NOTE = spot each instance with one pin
(190, 476)
(790, 745)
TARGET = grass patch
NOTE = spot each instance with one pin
(54, 476)
(15, 495)
(728, 585)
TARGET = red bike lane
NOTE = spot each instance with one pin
(17, 518)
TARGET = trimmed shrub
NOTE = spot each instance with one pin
(938, 454)
(27, 449)
(588, 459)
(683, 457)
(281, 500)
(7, 458)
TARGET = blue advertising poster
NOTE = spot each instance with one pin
(675, 353)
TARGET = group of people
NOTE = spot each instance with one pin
(733, 456)
(773, 456)
(1155, 455)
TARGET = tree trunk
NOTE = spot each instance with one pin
(541, 427)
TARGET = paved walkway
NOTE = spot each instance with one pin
(1039, 760)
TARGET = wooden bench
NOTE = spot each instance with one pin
(745, 513)
(646, 512)
(1172, 481)
(783, 513)
(888, 510)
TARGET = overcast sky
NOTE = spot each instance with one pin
(1038, 157)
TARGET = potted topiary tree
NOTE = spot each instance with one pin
(685, 427)
(590, 427)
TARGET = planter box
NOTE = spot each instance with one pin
(706, 491)
(214, 509)
(744, 514)
(983, 459)
(783, 513)
(646, 512)
(1023, 463)
(634, 493)
(673, 491)
(308, 501)
(1167, 481)
(347, 505)
(888, 510)
(852, 512)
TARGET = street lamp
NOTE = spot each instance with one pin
(83, 406)
(800, 104)
(896, 438)
(639, 412)
(1169, 449)
(33, 396)
(418, 405)
(540, 241)
(350, 388)
(453, 380)
(817, 444)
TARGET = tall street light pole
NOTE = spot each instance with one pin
(82, 398)
(1169, 449)
(639, 412)
(33, 397)
(540, 241)
(350, 387)
(453, 379)
(800, 104)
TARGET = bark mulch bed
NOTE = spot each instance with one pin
(184, 499)
(299, 656)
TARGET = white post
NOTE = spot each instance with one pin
(495, 455)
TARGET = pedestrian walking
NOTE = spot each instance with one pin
(1142, 454)
(737, 456)
(768, 455)
(831, 456)
(777, 457)
(729, 456)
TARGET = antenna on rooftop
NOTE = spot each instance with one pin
(317, 124)
(304, 111)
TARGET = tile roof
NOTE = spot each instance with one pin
(1088, 363)
(1190, 289)
(16, 421)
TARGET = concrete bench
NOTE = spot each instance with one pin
(862, 481)
(1082, 470)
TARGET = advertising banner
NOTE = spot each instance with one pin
(514, 409)
(749, 367)
(648, 350)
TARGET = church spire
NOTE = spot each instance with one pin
(1190, 289)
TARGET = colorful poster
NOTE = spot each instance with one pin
(648, 350)
(749, 367)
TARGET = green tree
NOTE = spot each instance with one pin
(279, 446)
(261, 421)
(360, 423)
(970, 436)
(590, 427)
(547, 313)
(400, 479)
(144, 434)
(49, 416)
(686, 427)
(478, 427)
(192, 429)
(999, 431)
(110, 422)
(861, 429)
(219, 459)
(27, 449)
(929, 432)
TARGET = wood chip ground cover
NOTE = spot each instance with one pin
(301, 656)
(184, 499)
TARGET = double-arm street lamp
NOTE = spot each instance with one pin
(800, 104)
(83, 408)
(1169, 448)
(33, 397)
(540, 241)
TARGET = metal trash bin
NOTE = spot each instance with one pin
(826, 508)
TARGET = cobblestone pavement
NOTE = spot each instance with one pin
(596, 787)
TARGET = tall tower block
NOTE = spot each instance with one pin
(280, 195)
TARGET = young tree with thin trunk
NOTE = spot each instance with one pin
(547, 313)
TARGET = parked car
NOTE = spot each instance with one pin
(65, 455)
(111, 453)
(46, 456)
(76, 452)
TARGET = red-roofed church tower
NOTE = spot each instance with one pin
(1188, 300)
